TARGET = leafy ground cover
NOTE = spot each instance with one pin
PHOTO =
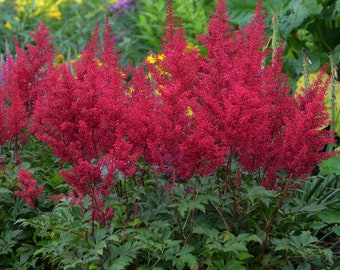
(198, 156)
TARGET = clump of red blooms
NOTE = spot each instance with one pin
(184, 113)
(20, 84)
(29, 191)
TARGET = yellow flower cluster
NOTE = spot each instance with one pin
(48, 8)
(152, 59)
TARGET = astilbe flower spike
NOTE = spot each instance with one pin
(29, 191)
(31, 65)
(174, 78)
(21, 79)
(249, 104)
(12, 109)
(83, 117)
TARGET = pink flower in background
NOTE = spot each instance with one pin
(122, 6)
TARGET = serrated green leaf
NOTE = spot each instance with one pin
(211, 233)
(260, 193)
(246, 238)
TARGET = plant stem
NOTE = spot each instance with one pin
(234, 206)
(178, 218)
(284, 194)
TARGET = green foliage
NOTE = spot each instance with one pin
(139, 31)
(310, 24)
(193, 227)
(71, 31)
(16, 243)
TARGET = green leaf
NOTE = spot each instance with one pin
(330, 165)
(296, 14)
(5, 190)
(330, 216)
(313, 6)
(93, 267)
(235, 265)
(336, 229)
(241, 11)
(260, 193)
(211, 233)
(337, 6)
(296, 243)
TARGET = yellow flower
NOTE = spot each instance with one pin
(99, 63)
(157, 92)
(73, 61)
(54, 12)
(189, 111)
(162, 71)
(130, 91)
(148, 75)
(34, 8)
(190, 47)
(160, 57)
(59, 58)
(151, 59)
(122, 74)
(8, 25)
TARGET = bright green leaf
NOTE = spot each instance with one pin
(330, 216)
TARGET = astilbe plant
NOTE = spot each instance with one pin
(254, 117)
(173, 74)
(81, 116)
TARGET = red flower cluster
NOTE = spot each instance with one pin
(20, 84)
(29, 189)
(186, 114)
(248, 108)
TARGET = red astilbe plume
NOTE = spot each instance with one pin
(304, 136)
(141, 108)
(230, 91)
(80, 116)
(20, 83)
(29, 191)
(31, 65)
(83, 118)
(13, 117)
(174, 77)
(249, 105)
(87, 179)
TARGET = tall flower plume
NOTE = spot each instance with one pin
(82, 115)
(254, 116)
(21, 80)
